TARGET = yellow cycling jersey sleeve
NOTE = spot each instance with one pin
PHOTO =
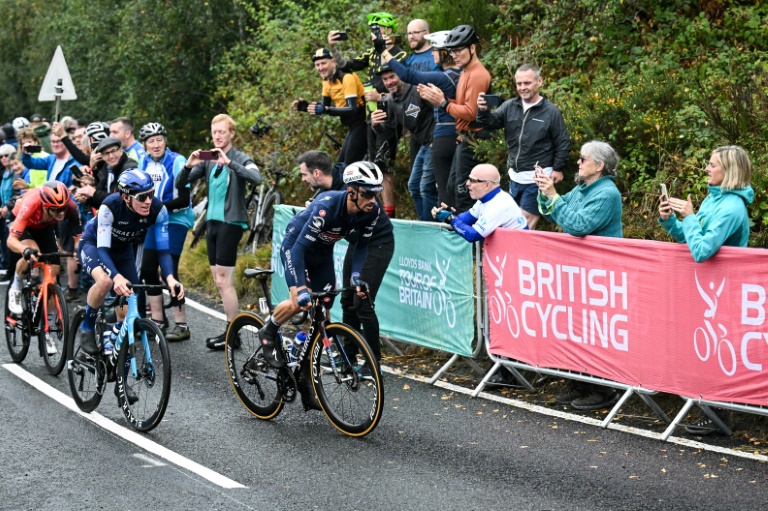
(339, 90)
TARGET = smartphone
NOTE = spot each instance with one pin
(302, 106)
(382, 105)
(341, 36)
(491, 100)
(75, 170)
(397, 39)
(31, 149)
(664, 194)
(208, 155)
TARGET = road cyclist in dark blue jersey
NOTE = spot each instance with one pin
(110, 247)
(307, 249)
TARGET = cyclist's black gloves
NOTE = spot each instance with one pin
(28, 253)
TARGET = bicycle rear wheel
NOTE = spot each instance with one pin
(254, 381)
(347, 380)
(56, 337)
(143, 393)
(263, 232)
(17, 334)
(87, 374)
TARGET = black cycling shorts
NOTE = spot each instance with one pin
(223, 239)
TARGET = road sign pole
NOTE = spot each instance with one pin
(57, 96)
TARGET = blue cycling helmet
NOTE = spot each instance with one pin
(133, 181)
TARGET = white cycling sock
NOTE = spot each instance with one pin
(16, 284)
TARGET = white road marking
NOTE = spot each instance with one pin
(123, 432)
(150, 461)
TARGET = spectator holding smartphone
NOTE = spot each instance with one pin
(342, 98)
(535, 133)
(227, 216)
(592, 208)
(722, 219)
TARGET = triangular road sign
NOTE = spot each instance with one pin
(57, 71)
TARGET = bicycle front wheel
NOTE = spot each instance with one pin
(87, 374)
(144, 376)
(254, 381)
(17, 334)
(54, 342)
(347, 380)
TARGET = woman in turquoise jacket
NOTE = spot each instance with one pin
(593, 208)
(722, 218)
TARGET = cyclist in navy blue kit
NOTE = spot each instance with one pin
(307, 249)
(108, 249)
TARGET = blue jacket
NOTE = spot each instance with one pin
(65, 176)
(721, 220)
(165, 186)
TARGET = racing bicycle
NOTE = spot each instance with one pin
(333, 371)
(44, 313)
(140, 364)
(261, 209)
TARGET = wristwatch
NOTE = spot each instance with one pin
(444, 104)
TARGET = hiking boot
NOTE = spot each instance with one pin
(71, 295)
(14, 302)
(569, 397)
(708, 427)
(216, 343)
(87, 341)
(595, 401)
(270, 349)
(177, 334)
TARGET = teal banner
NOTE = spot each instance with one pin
(427, 296)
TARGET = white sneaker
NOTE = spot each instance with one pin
(14, 301)
(50, 346)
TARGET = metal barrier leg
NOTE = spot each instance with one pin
(623, 399)
(475, 366)
(653, 406)
(678, 419)
(391, 346)
(716, 419)
(485, 379)
(443, 369)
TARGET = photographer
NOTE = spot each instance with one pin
(380, 150)
(343, 98)
(404, 108)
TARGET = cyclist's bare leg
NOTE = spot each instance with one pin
(101, 286)
(156, 304)
(22, 265)
(286, 309)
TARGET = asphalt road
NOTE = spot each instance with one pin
(435, 449)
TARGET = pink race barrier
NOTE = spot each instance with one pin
(638, 312)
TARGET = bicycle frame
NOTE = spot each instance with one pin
(127, 332)
(41, 291)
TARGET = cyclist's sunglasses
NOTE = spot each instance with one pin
(58, 211)
(143, 196)
(365, 194)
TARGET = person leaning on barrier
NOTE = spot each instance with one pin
(493, 208)
(322, 175)
(722, 220)
(593, 207)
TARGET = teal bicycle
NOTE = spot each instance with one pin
(140, 365)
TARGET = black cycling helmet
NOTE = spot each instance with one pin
(150, 130)
(461, 36)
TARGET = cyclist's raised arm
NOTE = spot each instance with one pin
(189, 174)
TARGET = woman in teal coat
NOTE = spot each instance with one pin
(593, 207)
(722, 218)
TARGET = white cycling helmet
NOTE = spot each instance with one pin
(365, 175)
(20, 123)
(437, 39)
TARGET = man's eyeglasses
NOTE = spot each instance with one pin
(143, 196)
(107, 154)
(456, 51)
(474, 180)
(415, 32)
